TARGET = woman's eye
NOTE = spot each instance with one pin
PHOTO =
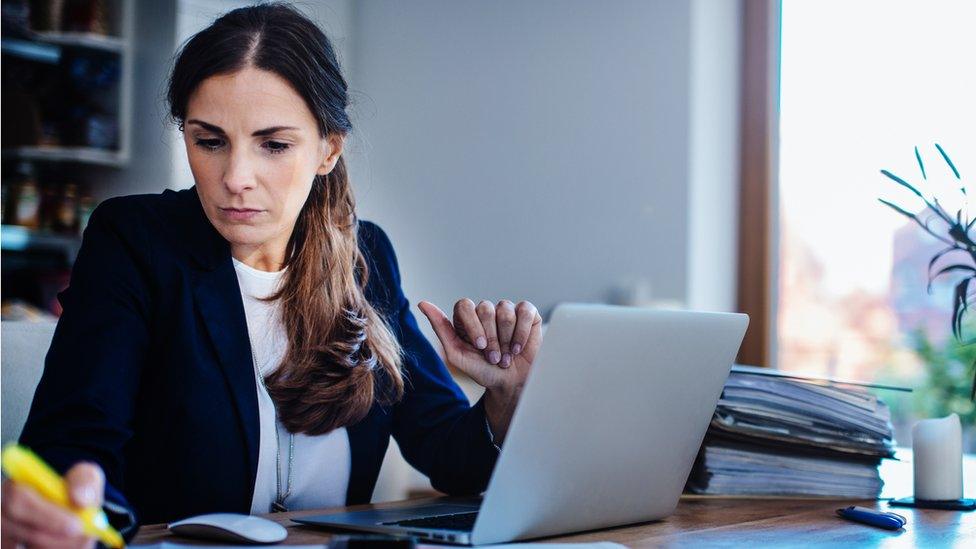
(209, 144)
(276, 147)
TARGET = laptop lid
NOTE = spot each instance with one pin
(610, 420)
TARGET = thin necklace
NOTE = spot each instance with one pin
(278, 506)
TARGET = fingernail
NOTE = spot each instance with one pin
(494, 357)
(481, 343)
(516, 349)
(506, 360)
(85, 495)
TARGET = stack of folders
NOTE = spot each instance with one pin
(781, 436)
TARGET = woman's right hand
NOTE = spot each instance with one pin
(30, 520)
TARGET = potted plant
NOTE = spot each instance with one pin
(953, 231)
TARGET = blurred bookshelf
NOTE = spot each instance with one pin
(16, 238)
(80, 155)
(67, 81)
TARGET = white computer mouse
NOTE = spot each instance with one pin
(230, 527)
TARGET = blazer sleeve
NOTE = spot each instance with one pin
(83, 405)
(438, 431)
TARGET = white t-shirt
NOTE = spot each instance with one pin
(322, 463)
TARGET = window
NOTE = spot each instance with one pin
(862, 84)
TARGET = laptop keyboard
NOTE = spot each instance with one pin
(457, 521)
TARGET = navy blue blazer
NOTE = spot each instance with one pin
(149, 373)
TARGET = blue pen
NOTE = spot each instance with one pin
(881, 519)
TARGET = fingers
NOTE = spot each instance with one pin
(467, 325)
(30, 519)
(500, 331)
(486, 314)
(17, 535)
(86, 484)
(442, 326)
(27, 517)
(526, 317)
(505, 321)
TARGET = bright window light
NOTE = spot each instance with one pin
(863, 84)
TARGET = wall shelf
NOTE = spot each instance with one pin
(81, 155)
(71, 89)
(31, 50)
(45, 47)
(17, 238)
(84, 40)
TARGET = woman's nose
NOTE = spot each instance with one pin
(239, 175)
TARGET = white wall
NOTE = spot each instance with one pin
(550, 150)
(714, 154)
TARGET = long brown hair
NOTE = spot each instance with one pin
(342, 354)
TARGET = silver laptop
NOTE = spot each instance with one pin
(605, 433)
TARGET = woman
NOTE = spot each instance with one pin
(245, 345)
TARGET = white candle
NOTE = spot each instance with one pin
(937, 456)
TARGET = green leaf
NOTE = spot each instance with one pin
(897, 209)
(934, 207)
(949, 269)
(949, 162)
(959, 234)
(921, 166)
(959, 306)
(918, 221)
(935, 258)
(903, 183)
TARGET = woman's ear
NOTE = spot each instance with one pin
(333, 150)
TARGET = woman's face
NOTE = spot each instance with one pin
(254, 149)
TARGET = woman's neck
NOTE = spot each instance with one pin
(262, 258)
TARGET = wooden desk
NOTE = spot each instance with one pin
(712, 521)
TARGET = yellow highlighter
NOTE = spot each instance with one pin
(25, 467)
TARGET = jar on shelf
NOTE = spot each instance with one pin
(86, 204)
(50, 204)
(66, 215)
(24, 200)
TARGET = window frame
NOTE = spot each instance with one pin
(758, 242)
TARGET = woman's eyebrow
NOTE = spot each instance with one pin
(272, 129)
(206, 126)
(259, 133)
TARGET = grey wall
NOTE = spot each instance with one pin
(713, 154)
(544, 150)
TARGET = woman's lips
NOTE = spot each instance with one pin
(240, 214)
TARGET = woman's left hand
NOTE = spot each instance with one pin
(495, 345)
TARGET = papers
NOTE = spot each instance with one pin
(795, 413)
(745, 471)
(774, 435)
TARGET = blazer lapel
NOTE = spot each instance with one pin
(218, 297)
